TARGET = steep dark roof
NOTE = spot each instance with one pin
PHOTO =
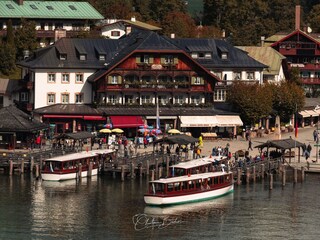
(236, 57)
(13, 119)
(181, 139)
(76, 135)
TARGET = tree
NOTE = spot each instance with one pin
(314, 18)
(10, 34)
(288, 98)
(7, 59)
(160, 8)
(252, 101)
(181, 24)
(25, 37)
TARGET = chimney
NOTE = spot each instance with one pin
(262, 40)
(133, 19)
(20, 2)
(172, 35)
(223, 33)
(298, 16)
(128, 30)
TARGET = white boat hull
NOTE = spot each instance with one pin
(193, 197)
(65, 176)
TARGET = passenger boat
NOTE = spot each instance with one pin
(73, 165)
(189, 188)
(200, 165)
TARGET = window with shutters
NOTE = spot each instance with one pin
(51, 98)
(65, 98)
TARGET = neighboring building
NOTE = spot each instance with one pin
(225, 61)
(275, 61)
(54, 19)
(125, 79)
(115, 29)
(18, 129)
(12, 91)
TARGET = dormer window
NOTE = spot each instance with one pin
(207, 55)
(63, 56)
(194, 55)
(102, 57)
(224, 56)
(83, 57)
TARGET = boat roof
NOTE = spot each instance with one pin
(192, 163)
(79, 155)
(191, 177)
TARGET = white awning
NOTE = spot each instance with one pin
(198, 121)
(229, 121)
(161, 117)
(308, 113)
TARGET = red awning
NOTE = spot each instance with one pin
(126, 121)
(85, 117)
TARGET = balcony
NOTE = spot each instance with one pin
(309, 81)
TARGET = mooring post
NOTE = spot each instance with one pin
(11, 167)
(37, 171)
(167, 166)
(122, 173)
(271, 181)
(284, 176)
(141, 171)
(254, 173)
(157, 168)
(239, 176)
(31, 164)
(248, 175)
(90, 169)
(295, 175)
(148, 167)
(132, 170)
(263, 170)
(79, 171)
(302, 174)
(152, 175)
(22, 166)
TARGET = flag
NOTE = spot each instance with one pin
(296, 128)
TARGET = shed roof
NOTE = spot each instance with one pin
(13, 119)
(48, 10)
(281, 144)
(76, 135)
(181, 139)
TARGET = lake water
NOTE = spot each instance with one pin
(106, 208)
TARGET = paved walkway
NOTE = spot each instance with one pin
(305, 135)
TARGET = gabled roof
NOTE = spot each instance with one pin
(136, 24)
(48, 10)
(281, 144)
(236, 57)
(144, 41)
(8, 86)
(266, 55)
(13, 119)
(296, 32)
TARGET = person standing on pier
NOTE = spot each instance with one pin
(250, 145)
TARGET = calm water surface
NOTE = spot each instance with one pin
(106, 208)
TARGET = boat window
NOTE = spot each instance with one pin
(177, 186)
(221, 179)
(210, 181)
(184, 186)
(215, 180)
(191, 184)
(170, 187)
(157, 188)
(198, 183)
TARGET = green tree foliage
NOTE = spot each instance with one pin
(179, 23)
(294, 76)
(7, 59)
(10, 34)
(25, 37)
(252, 101)
(255, 101)
(160, 8)
(288, 98)
(313, 18)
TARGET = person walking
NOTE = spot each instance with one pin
(315, 135)
(250, 145)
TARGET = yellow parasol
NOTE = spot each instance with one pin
(105, 130)
(117, 130)
(174, 131)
